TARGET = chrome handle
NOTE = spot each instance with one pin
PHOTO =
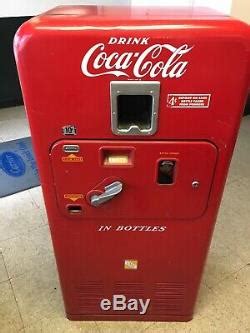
(110, 192)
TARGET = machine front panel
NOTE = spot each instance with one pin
(131, 179)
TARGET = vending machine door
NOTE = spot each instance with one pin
(132, 179)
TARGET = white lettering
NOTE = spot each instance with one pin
(155, 60)
(120, 303)
(144, 41)
(144, 306)
(105, 228)
(139, 228)
(99, 61)
(129, 40)
(112, 40)
(105, 304)
(122, 40)
(133, 304)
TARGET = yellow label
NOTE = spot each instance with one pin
(116, 160)
(73, 196)
(130, 264)
(72, 158)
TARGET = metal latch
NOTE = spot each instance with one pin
(110, 191)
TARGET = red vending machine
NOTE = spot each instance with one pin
(134, 114)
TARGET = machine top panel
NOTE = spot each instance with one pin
(159, 73)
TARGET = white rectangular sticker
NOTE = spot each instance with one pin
(188, 101)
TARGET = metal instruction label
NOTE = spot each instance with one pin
(188, 101)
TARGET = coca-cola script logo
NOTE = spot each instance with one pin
(98, 61)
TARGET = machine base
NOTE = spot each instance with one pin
(105, 317)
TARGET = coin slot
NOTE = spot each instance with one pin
(166, 172)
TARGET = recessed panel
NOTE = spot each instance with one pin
(176, 186)
(134, 107)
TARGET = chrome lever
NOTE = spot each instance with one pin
(110, 192)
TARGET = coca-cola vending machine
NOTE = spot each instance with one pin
(134, 114)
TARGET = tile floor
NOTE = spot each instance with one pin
(30, 299)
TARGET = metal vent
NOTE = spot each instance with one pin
(134, 289)
(89, 295)
(168, 297)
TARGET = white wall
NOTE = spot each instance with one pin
(241, 10)
(12, 8)
(223, 6)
